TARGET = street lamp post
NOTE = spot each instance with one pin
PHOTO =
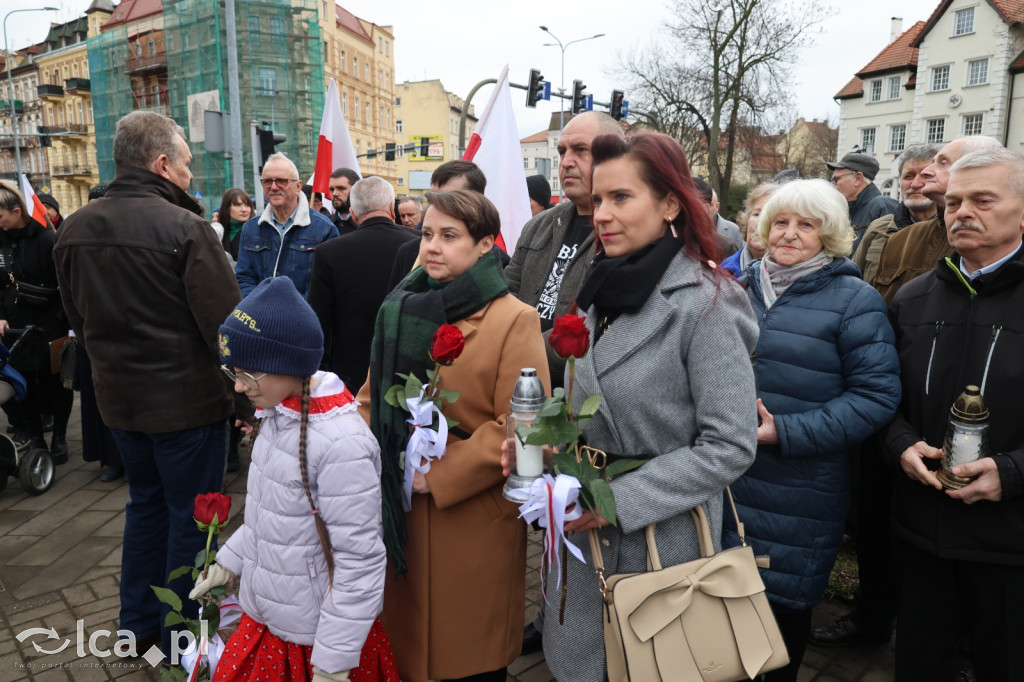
(561, 84)
(10, 90)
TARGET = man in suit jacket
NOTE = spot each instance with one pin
(350, 279)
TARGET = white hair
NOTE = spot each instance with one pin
(816, 199)
(371, 194)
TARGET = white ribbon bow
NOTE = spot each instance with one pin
(547, 503)
(425, 443)
(211, 648)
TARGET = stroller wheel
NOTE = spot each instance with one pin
(36, 471)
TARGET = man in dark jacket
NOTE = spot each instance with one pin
(852, 175)
(350, 279)
(342, 180)
(962, 550)
(52, 209)
(146, 286)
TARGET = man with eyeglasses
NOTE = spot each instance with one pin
(281, 241)
(852, 175)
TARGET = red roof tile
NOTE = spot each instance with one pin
(536, 137)
(855, 88)
(898, 54)
(130, 10)
(350, 22)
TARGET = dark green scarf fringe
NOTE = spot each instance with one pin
(405, 325)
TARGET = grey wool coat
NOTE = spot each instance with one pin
(677, 386)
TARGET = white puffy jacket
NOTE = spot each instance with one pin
(277, 551)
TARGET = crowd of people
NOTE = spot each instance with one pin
(806, 356)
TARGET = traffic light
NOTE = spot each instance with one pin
(616, 107)
(424, 147)
(268, 141)
(535, 91)
(577, 96)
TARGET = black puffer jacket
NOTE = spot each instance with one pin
(26, 257)
(951, 333)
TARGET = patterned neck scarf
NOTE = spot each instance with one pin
(775, 278)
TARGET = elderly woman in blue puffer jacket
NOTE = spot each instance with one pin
(828, 377)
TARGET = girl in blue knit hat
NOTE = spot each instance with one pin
(309, 555)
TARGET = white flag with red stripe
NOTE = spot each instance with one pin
(334, 149)
(35, 207)
(494, 147)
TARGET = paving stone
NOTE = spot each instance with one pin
(56, 517)
(11, 519)
(64, 486)
(76, 595)
(17, 620)
(112, 500)
(97, 606)
(105, 587)
(66, 572)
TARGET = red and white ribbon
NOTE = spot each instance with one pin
(547, 503)
(425, 444)
(211, 647)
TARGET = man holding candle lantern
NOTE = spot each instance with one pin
(960, 324)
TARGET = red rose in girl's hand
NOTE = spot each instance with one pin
(447, 344)
(569, 337)
(209, 505)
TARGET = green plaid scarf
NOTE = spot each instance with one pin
(405, 326)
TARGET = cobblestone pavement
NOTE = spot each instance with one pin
(60, 556)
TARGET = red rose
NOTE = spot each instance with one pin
(210, 505)
(569, 337)
(447, 344)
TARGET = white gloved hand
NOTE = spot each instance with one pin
(320, 676)
(216, 576)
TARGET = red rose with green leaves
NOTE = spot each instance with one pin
(447, 345)
(212, 509)
(570, 337)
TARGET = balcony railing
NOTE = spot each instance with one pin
(48, 90)
(72, 129)
(142, 64)
(70, 170)
(25, 140)
(76, 84)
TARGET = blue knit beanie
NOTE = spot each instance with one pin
(273, 330)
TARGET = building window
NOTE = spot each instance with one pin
(368, 119)
(276, 29)
(398, 126)
(977, 71)
(380, 78)
(380, 44)
(401, 182)
(398, 101)
(940, 77)
(380, 118)
(341, 60)
(254, 28)
(963, 22)
(867, 140)
(344, 103)
(936, 130)
(366, 72)
(387, 49)
(972, 123)
(266, 80)
(151, 46)
(897, 138)
(876, 91)
(355, 114)
(894, 87)
(355, 66)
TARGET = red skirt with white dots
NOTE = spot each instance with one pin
(254, 654)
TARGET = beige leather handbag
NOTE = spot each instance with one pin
(707, 620)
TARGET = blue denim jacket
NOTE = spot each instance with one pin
(261, 253)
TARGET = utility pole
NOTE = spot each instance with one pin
(234, 100)
(10, 89)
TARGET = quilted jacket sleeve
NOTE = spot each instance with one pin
(871, 377)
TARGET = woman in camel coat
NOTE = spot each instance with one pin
(457, 611)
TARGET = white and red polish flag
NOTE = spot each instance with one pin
(334, 149)
(494, 147)
(32, 203)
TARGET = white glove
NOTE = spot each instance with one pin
(320, 676)
(216, 576)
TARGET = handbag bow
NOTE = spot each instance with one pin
(730, 576)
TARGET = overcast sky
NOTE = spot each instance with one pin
(463, 42)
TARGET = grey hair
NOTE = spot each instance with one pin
(11, 198)
(984, 158)
(916, 152)
(976, 143)
(414, 198)
(142, 136)
(280, 156)
(371, 194)
(816, 199)
(765, 189)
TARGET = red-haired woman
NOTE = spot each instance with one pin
(671, 360)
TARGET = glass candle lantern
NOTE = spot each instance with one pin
(966, 436)
(527, 399)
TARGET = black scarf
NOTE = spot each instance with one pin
(623, 284)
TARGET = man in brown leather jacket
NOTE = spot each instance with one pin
(145, 286)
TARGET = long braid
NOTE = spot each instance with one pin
(321, 527)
